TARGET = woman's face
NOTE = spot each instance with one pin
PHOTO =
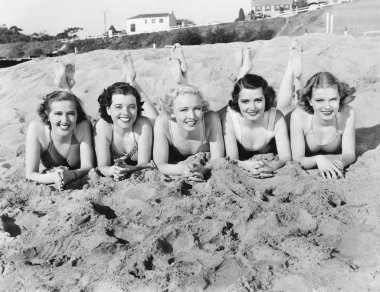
(325, 102)
(123, 110)
(187, 110)
(251, 103)
(63, 117)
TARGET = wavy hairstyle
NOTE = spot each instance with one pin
(105, 98)
(44, 108)
(252, 81)
(324, 80)
(166, 103)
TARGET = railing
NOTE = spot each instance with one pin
(371, 32)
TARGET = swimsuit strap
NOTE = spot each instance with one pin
(235, 122)
(130, 153)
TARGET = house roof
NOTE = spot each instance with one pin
(150, 15)
(271, 2)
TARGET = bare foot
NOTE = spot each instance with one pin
(181, 57)
(60, 74)
(70, 72)
(129, 73)
(295, 54)
(247, 62)
(176, 70)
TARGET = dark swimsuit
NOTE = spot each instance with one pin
(176, 156)
(268, 147)
(313, 146)
(128, 156)
(52, 158)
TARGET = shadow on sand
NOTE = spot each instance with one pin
(367, 139)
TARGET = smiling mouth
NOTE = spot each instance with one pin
(327, 112)
(64, 126)
(253, 113)
(191, 123)
(126, 120)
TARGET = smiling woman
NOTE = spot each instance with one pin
(61, 141)
(186, 127)
(323, 127)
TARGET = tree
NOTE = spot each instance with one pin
(14, 29)
(241, 15)
(69, 33)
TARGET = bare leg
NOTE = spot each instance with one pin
(179, 65)
(129, 76)
(293, 73)
(181, 57)
(247, 63)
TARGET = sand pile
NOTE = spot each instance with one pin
(293, 232)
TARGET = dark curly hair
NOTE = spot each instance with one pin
(324, 80)
(105, 99)
(252, 81)
(44, 108)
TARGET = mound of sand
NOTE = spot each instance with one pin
(293, 232)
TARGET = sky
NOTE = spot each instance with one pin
(53, 17)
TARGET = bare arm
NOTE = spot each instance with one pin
(282, 143)
(32, 156)
(87, 159)
(145, 141)
(161, 150)
(102, 135)
(230, 137)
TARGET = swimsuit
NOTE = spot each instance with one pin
(176, 156)
(52, 158)
(313, 146)
(128, 156)
(244, 153)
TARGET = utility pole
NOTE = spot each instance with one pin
(105, 20)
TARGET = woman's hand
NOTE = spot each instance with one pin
(63, 176)
(258, 168)
(329, 168)
(192, 171)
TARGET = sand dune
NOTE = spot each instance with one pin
(293, 232)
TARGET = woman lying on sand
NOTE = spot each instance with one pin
(250, 122)
(324, 124)
(62, 139)
(185, 128)
(123, 137)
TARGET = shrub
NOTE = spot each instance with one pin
(35, 52)
(187, 36)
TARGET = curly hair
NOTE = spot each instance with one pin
(323, 80)
(44, 108)
(105, 98)
(166, 103)
(252, 81)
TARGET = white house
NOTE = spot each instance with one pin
(144, 23)
(272, 7)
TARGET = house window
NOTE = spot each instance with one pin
(161, 20)
(258, 8)
(133, 27)
(276, 7)
(287, 7)
(153, 20)
(267, 7)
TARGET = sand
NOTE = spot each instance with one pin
(293, 232)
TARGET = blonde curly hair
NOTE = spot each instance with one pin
(166, 103)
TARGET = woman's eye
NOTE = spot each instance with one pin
(259, 100)
(132, 107)
(244, 101)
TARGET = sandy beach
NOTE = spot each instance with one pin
(293, 232)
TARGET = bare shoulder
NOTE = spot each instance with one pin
(279, 115)
(103, 128)
(347, 111)
(37, 127)
(161, 122)
(211, 117)
(142, 122)
(300, 114)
